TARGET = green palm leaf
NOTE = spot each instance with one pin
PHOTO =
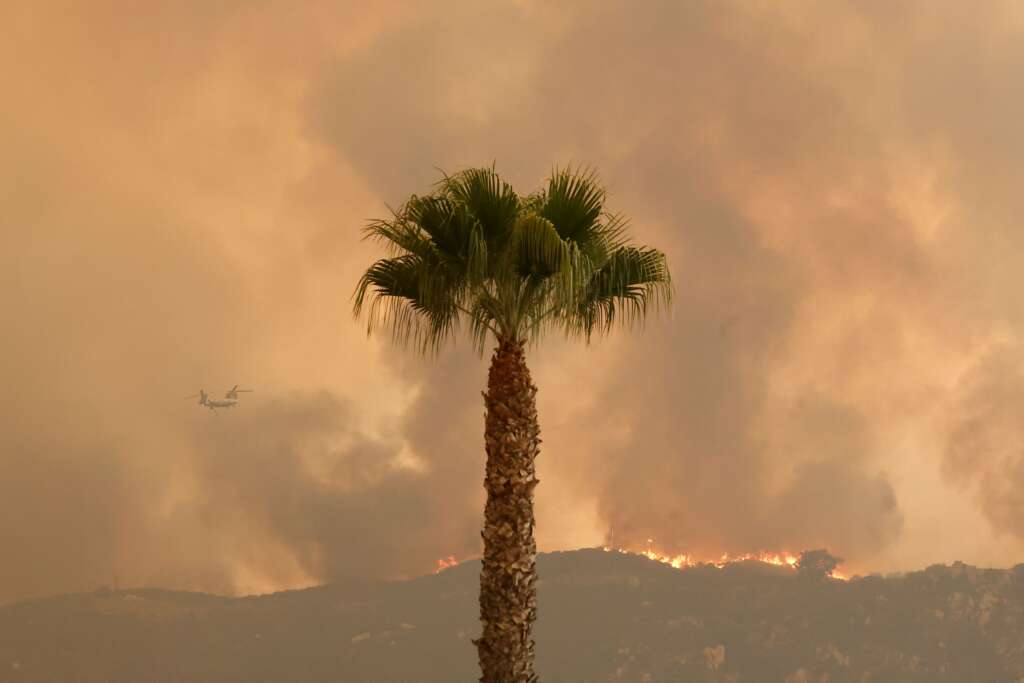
(491, 202)
(630, 280)
(574, 202)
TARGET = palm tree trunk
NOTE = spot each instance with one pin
(508, 592)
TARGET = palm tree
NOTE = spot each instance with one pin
(473, 253)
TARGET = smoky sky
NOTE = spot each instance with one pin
(835, 186)
(985, 441)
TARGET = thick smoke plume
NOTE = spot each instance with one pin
(985, 448)
(836, 187)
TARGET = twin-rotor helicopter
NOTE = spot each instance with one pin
(229, 401)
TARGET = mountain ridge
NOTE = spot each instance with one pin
(636, 620)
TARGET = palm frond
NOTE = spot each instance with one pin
(442, 220)
(573, 202)
(539, 250)
(411, 298)
(398, 236)
(605, 238)
(491, 201)
(473, 252)
(622, 290)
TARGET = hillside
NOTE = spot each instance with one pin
(604, 616)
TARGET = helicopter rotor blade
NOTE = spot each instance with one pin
(192, 396)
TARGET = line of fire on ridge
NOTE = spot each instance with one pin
(682, 561)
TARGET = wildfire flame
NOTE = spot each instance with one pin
(680, 561)
(444, 563)
(779, 559)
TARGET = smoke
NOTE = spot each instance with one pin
(985, 438)
(57, 510)
(295, 474)
(674, 446)
(818, 183)
(183, 189)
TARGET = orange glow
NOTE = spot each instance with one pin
(445, 563)
(780, 559)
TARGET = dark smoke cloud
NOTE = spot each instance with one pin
(985, 446)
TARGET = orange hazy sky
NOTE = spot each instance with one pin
(836, 186)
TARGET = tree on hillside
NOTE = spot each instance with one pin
(473, 255)
(817, 564)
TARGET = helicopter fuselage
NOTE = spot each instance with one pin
(220, 403)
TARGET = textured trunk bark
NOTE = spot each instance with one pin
(508, 593)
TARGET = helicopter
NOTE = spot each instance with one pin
(229, 401)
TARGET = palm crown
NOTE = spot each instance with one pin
(474, 252)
